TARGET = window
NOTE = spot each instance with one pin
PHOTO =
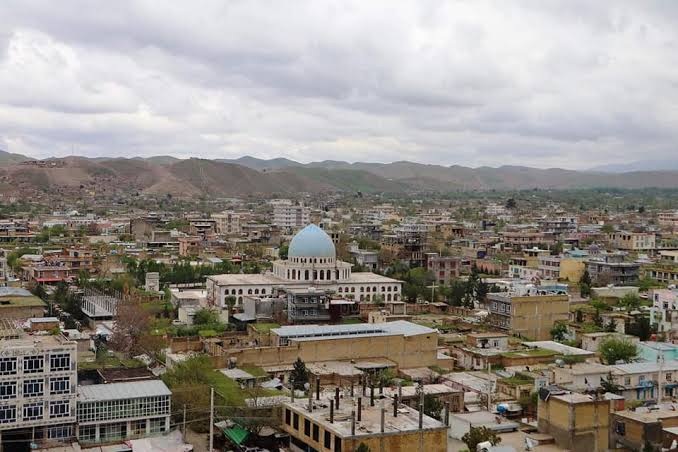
(641, 378)
(112, 432)
(288, 417)
(139, 427)
(158, 425)
(627, 381)
(328, 440)
(87, 433)
(59, 385)
(7, 366)
(620, 428)
(60, 361)
(34, 388)
(337, 444)
(669, 377)
(7, 414)
(60, 408)
(316, 432)
(60, 432)
(33, 411)
(295, 421)
(34, 364)
(7, 390)
(307, 427)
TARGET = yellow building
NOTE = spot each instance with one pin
(405, 344)
(632, 430)
(343, 429)
(528, 315)
(576, 421)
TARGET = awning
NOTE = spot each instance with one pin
(236, 434)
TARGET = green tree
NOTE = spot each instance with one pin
(433, 407)
(630, 301)
(282, 251)
(558, 332)
(510, 204)
(206, 317)
(299, 375)
(613, 350)
(585, 284)
(607, 228)
(479, 435)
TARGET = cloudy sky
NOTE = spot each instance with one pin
(571, 84)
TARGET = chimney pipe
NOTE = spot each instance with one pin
(395, 406)
(336, 397)
(331, 412)
(360, 408)
(317, 388)
(372, 395)
(363, 382)
(421, 407)
(352, 389)
(381, 387)
(400, 390)
(292, 393)
(310, 400)
(353, 423)
(383, 419)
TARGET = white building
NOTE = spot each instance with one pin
(116, 411)
(38, 376)
(227, 222)
(291, 216)
(311, 262)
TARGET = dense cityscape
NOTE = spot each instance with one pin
(338, 226)
(345, 321)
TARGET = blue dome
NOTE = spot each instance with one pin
(311, 242)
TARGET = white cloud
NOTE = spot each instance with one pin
(570, 84)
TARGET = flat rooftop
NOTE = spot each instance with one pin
(370, 424)
(316, 332)
(250, 279)
(120, 391)
(559, 348)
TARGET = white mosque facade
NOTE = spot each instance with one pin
(311, 262)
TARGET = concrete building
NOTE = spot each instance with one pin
(38, 376)
(561, 268)
(227, 222)
(576, 421)
(116, 411)
(633, 429)
(368, 259)
(633, 241)
(529, 313)
(406, 345)
(343, 424)
(642, 380)
(291, 216)
(311, 262)
(612, 269)
(444, 269)
(18, 303)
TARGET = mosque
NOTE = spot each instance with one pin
(311, 264)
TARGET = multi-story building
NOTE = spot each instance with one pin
(117, 411)
(561, 267)
(518, 240)
(633, 241)
(347, 424)
(641, 381)
(577, 422)
(291, 216)
(666, 269)
(612, 269)
(311, 305)
(444, 269)
(669, 219)
(528, 312)
(636, 430)
(38, 377)
(227, 222)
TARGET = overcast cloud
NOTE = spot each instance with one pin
(570, 84)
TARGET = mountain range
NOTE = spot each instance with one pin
(166, 175)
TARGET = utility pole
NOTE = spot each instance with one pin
(660, 358)
(184, 421)
(211, 419)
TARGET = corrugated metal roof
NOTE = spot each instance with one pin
(389, 328)
(118, 391)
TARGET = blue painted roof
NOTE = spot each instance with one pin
(311, 242)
